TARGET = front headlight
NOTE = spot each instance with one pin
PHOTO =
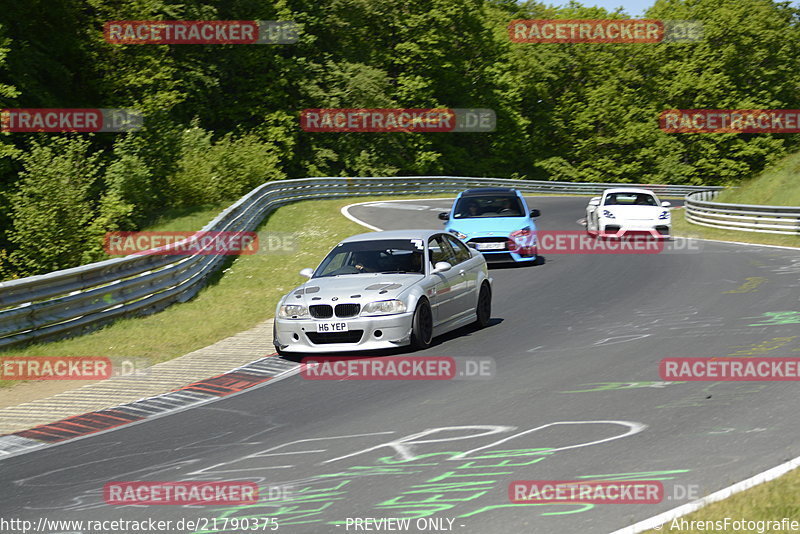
(664, 215)
(458, 234)
(292, 311)
(608, 215)
(384, 307)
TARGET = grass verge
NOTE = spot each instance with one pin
(681, 227)
(771, 501)
(776, 186)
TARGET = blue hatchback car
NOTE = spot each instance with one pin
(495, 221)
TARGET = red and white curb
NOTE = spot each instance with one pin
(236, 381)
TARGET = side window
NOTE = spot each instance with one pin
(440, 250)
(460, 249)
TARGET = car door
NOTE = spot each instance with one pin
(443, 299)
(467, 280)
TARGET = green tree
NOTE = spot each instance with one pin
(52, 207)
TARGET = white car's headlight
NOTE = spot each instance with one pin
(458, 234)
(608, 215)
(384, 307)
(292, 311)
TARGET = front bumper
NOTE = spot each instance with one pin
(379, 332)
(657, 230)
(506, 256)
(502, 255)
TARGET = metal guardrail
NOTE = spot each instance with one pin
(74, 301)
(745, 217)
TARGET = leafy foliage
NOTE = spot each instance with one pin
(222, 119)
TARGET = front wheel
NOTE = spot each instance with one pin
(483, 310)
(422, 326)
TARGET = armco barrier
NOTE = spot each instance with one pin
(75, 301)
(749, 218)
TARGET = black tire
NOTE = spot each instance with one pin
(422, 326)
(483, 310)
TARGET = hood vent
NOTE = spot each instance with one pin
(386, 287)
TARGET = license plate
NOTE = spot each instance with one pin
(490, 246)
(332, 327)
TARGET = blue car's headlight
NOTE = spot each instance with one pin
(608, 215)
(458, 234)
(664, 215)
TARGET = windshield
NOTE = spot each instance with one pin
(385, 256)
(630, 199)
(488, 206)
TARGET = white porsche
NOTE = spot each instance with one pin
(628, 210)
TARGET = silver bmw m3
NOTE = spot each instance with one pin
(385, 289)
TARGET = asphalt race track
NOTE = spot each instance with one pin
(577, 395)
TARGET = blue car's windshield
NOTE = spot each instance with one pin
(488, 206)
(383, 256)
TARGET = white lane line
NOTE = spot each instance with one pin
(345, 211)
(669, 515)
(741, 243)
(412, 207)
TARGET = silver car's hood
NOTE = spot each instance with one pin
(355, 288)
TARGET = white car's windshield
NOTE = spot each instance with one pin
(385, 256)
(488, 206)
(630, 199)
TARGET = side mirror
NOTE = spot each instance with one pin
(444, 215)
(441, 266)
(595, 201)
(665, 204)
(308, 272)
(535, 213)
